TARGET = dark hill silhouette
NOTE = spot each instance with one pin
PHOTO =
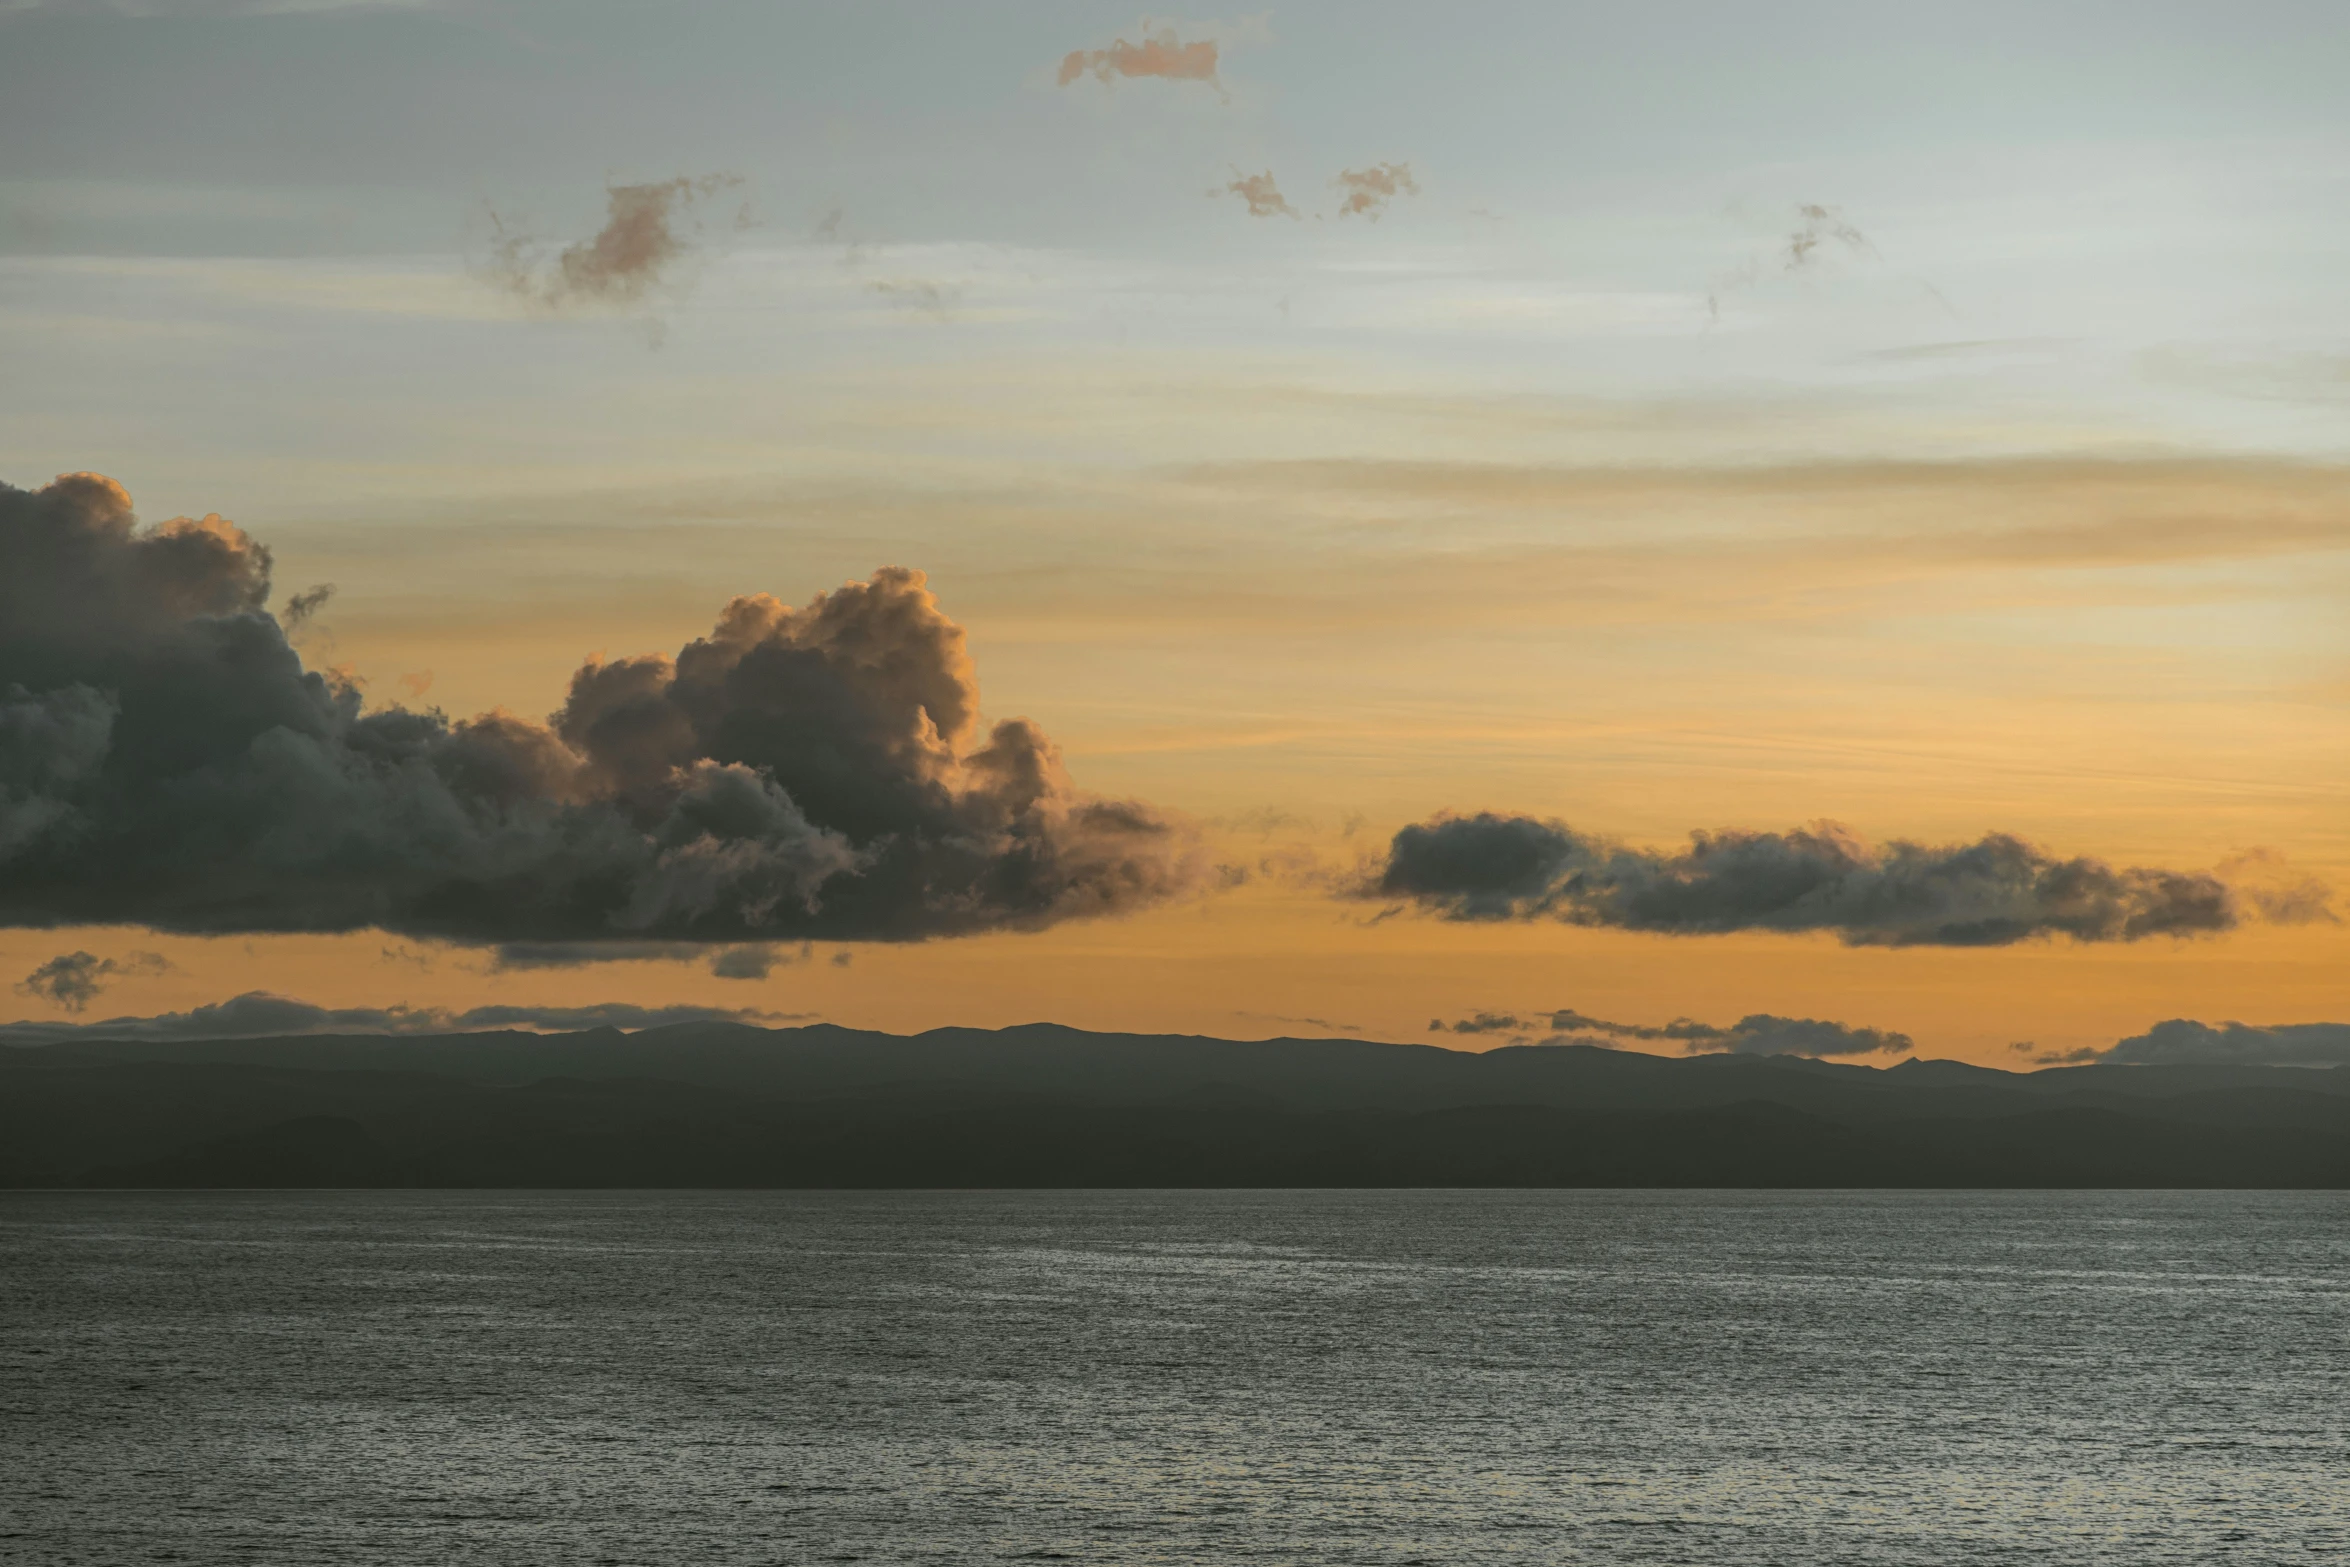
(712, 1104)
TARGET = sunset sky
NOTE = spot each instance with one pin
(1652, 419)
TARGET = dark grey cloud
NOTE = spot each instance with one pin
(2180, 1042)
(1761, 1034)
(72, 980)
(1992, 892)
(166, 760)
(749, 960)
(1483, 1023)
(1756, 1034)
(257, 1013)
(746, 962)
(648, 230)
(303, 605)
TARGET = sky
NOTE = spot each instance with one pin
(1381, 479)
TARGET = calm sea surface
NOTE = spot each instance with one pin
(1453, 1377)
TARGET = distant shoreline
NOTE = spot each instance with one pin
(731, 1107)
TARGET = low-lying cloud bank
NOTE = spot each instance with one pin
(167, 761)
(2181, 1042)
(1992, 892)
(257, 1014)
(1757, 1034)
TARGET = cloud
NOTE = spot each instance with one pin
(167, 760)
(648, 229)
(257, 1014)
(414, 685)
(1161, 54)
(1818, 225)
(920, 296)
(1993, 892)
(303, 605)
(1803, 249)
(751, 960)
(746, 962)
(1323, 1023)
(2281, 894)
(2180, 1042)
(1757, 1034)
(1481, 1023)
(1264, 198)
(1761, 1034)
(1366, 192)
(72, 980)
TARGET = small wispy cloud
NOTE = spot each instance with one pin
(258, 1014)
(73, 980)
(303, 605)
(923, 297)
(1162, 54)
(648, 230)
(1366, 193)
(1818, 226)
(1756, 1034)
(1327, 1025)
(1819, 232)
(1262, 195)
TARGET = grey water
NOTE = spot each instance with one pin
(1382, 1377)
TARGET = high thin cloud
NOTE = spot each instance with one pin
(2181, 1042)
(1367, 192)
(166, 760)
(1757, 1034)
(258, 1014)
(920, 296)
(72, 980)
(750, 960)
(1161, 54)
(1816, 227)
(1802, 250)
(1993, 892)
(648, 229)
(1262, 195)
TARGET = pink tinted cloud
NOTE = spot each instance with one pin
(1162, 54)
(1366, 192)
(1264, 197)
(647, 230)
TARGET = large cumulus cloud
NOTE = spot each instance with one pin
(1992, 892)
(166, 760)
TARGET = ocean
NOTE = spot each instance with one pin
(1461, 1377)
